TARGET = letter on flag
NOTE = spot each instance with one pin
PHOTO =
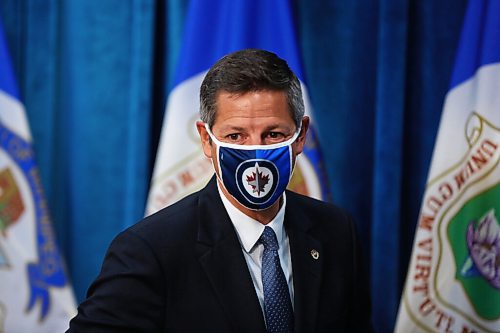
(35, 295)
(213, 29)
(453, 282)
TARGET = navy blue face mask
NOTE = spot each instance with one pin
(255, 175)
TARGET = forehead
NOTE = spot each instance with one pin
(251, 108)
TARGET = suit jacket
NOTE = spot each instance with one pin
(182, 270)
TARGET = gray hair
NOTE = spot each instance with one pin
(250, 70)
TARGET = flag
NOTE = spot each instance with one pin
(35, 295)
(214, 29)
(453, 281)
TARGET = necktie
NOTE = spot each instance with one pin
(277, 305)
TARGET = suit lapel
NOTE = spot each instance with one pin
(306, 267)
(219, 253)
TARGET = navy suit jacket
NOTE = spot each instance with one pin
(182, 270)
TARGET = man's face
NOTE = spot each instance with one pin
(253, 118)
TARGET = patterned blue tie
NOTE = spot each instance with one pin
(277, 305)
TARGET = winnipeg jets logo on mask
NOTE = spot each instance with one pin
(257, 180)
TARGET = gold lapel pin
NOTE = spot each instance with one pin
(315, 254)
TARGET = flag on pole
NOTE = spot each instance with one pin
(213, 29)
(453, 282)
(35, 295)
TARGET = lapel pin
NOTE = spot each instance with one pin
(315, 254)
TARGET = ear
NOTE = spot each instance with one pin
(301, 139)
(206, 143)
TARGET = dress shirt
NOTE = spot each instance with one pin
(249, 232)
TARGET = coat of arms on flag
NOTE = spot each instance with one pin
(11, 204)
(11, 207)
(457, 249)
(29, 258)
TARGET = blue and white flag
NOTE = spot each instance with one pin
(453, 282)
(35, 295)
(214, 29)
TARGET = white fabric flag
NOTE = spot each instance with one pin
(35, 295)
(453, 281)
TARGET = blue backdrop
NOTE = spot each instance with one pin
(94, 76)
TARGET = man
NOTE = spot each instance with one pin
(242, 254)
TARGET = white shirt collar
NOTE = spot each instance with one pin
(248, 229)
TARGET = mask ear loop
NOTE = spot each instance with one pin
(217, 152)
(293, 162)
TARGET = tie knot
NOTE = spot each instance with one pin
(268, 239)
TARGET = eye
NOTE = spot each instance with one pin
(233, 137)
(275, 136)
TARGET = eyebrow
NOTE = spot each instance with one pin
(279, 127)
(266, 129)
(231, 128)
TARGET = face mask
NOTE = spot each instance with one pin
(256, 176)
